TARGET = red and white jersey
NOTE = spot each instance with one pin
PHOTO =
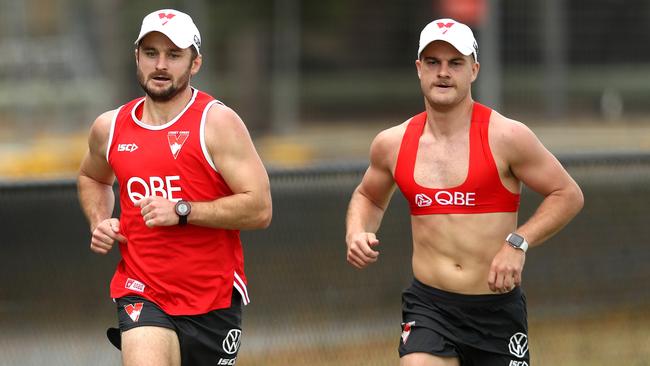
(185, 270)
(482, 190)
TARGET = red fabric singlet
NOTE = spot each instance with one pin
(186, 270)
(482, 190)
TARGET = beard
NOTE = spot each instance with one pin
(167, 94)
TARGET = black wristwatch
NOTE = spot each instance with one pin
(183, 209)
(517, 241)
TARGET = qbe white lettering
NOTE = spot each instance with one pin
(226, 361)
(138, 188)
(445, 198)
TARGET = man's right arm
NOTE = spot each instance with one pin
(95, 188)
(369, 202)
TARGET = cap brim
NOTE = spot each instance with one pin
(464, 50)
(178, 43)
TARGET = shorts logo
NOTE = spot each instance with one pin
(406, 331)
(231, 342)
(518, 345)
(517, 363)
(422, 200)
(134, 285)
(134, 310)
(226, 361)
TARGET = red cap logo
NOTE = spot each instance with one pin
(165, 17)
(445, 25)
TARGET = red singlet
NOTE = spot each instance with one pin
(482, 190)
(185, 270)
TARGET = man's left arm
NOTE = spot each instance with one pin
(533, 165)
(538, 169)
(234, 155)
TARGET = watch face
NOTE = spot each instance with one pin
(516, 240)
(182, 209)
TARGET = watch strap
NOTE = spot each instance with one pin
(182, 220)
(182, 209)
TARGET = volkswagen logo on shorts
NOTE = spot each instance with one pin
(518, 345)
(231, 342)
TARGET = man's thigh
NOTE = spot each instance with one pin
(213, 338)
(148, 335)
(425, 359)
(149, 346)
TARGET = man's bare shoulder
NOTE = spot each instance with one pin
(391, 136)
(102, 125)
(508, 128)
(226, 133)
(510, 138)
(220, 115)
(223, 124)
(386, 144)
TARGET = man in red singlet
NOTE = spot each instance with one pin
(189, 179)
(460, 165)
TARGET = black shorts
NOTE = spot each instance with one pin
(207, 339)
(480, 330)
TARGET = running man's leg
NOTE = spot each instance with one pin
(426, 359)
(150, 346)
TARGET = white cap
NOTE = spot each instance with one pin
(177, 26)
(456, 34)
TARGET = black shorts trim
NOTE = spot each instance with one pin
(155, 316)
(435, 294)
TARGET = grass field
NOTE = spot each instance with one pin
(616, 339)
(620, 339)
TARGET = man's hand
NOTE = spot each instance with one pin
(105, 235)
(157, 211)
(506, 269)
(360, 252)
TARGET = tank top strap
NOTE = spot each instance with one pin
(408, 149)
(481, 162)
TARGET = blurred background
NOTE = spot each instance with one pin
(315, 81)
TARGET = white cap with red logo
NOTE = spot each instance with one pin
(176, 25)
(456, 34)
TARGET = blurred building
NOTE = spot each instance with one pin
(287, 64)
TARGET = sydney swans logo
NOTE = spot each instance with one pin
(176, 140)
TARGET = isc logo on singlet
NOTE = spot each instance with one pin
(127, 147)
(167, 187)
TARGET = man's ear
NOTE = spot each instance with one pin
(418, 65)
(135, 52)
(196, 65)
(475, 69)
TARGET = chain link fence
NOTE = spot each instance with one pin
(588, 288)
